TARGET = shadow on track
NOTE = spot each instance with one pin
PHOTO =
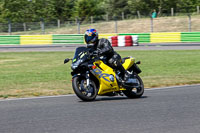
(98, 99)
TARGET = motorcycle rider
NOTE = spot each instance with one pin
(102, 47)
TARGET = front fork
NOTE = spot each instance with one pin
(87, 76)
(88, 82)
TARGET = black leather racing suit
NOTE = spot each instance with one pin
(113, 59)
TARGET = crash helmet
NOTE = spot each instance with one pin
(91, 37)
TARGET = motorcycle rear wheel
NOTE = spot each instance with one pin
(80, 89)
(135, 92)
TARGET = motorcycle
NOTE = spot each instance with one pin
(91, 76)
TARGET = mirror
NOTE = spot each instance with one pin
(66, 60)
(139, 62)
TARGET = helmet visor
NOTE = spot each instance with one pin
(89, 39)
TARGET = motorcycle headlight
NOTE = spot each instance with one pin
(75, 65)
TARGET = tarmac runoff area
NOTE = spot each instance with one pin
(161, 110)
(170, 109)
(72, 47)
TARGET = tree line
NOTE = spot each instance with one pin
(48, 10)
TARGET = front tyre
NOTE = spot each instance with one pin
(82, 91)
(135, 92)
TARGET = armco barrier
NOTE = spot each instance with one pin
(190, 37)
(107, 35)
(9, 40)
(68, 39)
(165, 37)
(35, 39)
(78, 38)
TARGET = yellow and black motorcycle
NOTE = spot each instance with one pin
(91, 77)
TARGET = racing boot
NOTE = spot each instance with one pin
(125, 76)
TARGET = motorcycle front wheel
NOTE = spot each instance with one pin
(82, 91)
(135, 92)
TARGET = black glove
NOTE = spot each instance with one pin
(96, 52)
(92, 53)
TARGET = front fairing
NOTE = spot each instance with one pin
(106, 77)
(80, 56)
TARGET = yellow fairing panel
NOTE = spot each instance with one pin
(128, 63)
(104, 73)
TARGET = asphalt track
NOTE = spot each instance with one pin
(167, 110)
(145, 46)
(162, 110)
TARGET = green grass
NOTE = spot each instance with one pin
(27, 74)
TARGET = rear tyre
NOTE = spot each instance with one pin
(82, 91)
(135, 92)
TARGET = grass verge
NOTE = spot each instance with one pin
(27, 74)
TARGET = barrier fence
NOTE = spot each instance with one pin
(168, 37)
(178, 22)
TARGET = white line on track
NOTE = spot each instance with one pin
(171, 87)
(31, 98)
(44, 97)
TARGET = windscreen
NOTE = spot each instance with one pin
(78, 51)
